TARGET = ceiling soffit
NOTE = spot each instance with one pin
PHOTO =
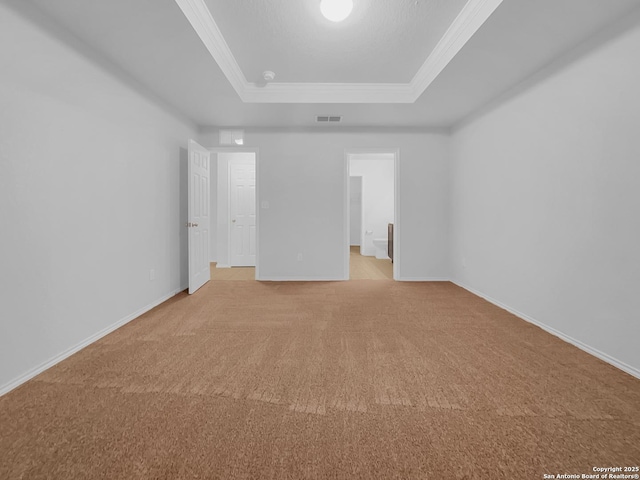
(468, 21)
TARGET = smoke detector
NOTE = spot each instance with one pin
(268, 76)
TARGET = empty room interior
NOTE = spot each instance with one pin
(319, 239)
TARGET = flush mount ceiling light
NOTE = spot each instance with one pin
(336, 10)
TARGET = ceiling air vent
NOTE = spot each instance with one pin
(328, 118)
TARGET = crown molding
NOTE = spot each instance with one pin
(468, 21)
(465, 25)
(330, 93)
(202, 21)
(323, 130)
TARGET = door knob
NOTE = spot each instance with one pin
(234, 221)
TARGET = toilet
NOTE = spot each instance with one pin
(381, 245)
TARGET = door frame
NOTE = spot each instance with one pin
(215, 151)
(348, 152)
(361, 231)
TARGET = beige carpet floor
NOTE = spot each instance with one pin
(345, 380)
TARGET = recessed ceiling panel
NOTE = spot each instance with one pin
(380, 42)
(164, 58)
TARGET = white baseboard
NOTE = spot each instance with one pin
(301, 279)
(7, 387)
(577, 343)
(422, 279)
(334, 279)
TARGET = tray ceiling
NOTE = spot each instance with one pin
(150, 45)
(385, 52)
(381, 42)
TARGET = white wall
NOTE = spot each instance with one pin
(302, 174)
(377, 174)
(546, 202)
(91, 189)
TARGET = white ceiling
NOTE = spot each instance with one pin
(380, 42)
(153, 45)
(435, 36)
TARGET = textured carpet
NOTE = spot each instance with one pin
(349, 380)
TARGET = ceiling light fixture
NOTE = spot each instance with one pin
(336, 10)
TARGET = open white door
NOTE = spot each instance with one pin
(199, 191)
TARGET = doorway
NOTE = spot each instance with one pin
(372, 229)
(242, 210)
(235, 241)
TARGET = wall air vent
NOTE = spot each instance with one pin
(328, 119)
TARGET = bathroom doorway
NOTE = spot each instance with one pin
(371, 226)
